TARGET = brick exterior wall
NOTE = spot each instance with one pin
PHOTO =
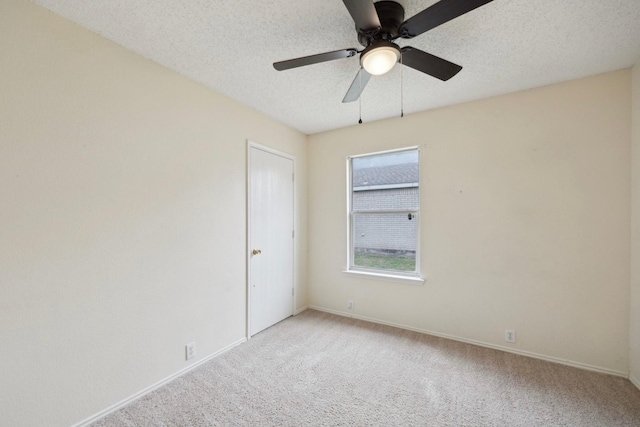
(391, 233)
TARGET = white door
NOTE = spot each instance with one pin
(270, 238)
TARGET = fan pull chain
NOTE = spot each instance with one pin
(401, 87)
(360, 97)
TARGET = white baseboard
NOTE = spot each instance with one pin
(151, 388)
(481, 344)
(634, 381)
(300, 310)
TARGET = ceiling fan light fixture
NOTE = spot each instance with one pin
(380, 57)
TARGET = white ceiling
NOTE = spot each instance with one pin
(230, 45)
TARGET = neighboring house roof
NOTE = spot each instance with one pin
(380, 177)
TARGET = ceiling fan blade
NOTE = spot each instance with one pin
(314, 59)
(357, 86)
(437, 14)
(364, 14)
(429, 64)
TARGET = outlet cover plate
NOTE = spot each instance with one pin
(510, 335)
(190, 350)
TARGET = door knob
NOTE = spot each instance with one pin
(257, 252)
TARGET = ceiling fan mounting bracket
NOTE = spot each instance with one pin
(391, 15)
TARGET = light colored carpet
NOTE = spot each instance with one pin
(318, 369)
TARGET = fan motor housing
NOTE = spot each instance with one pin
(391, 16)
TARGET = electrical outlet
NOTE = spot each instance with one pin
(190, 350)
(510, 335)
(350, 304)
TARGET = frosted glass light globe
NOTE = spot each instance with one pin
(380, 60)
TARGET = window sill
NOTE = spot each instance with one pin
(392, 277)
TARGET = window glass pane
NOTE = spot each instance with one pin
(384, 206)
(385, 241)
(388, 199)
(374, 176)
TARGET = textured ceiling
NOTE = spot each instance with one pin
(230, 45)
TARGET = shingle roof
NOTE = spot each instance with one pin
(406, 173)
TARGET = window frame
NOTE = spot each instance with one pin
(412, 276)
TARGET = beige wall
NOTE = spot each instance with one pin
(634, 337)
(525, 221)
(122, 226)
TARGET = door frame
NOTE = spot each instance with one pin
(254, 145)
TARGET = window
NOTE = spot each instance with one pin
(384, 212)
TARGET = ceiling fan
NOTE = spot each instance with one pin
(378, 25)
